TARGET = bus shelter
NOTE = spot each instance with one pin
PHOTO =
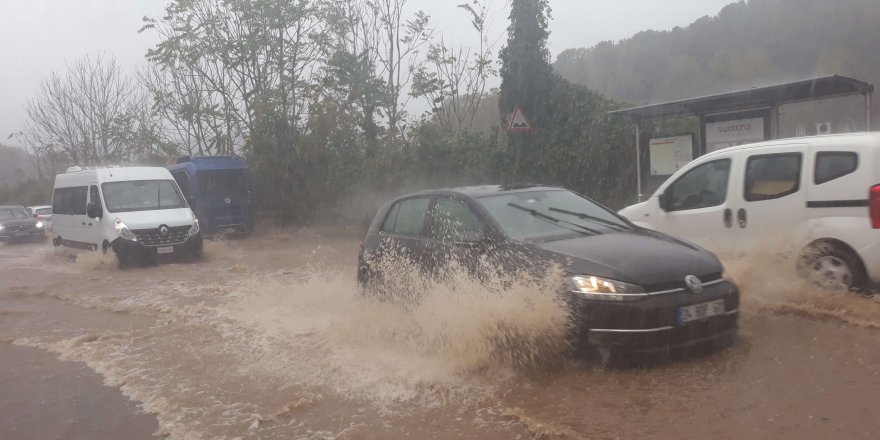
(826, 105)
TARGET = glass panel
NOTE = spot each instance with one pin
(391, 220)
(222, 183)
(772, 176)
(78, 199)
(833, 165)
(702, 187)
(142, 195)
(550, 215)
(453, 220)
(411, 217)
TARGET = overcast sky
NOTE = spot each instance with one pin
(38, 36)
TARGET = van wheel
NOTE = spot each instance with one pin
(832, 266)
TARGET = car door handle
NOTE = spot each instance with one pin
(728, 218)
(741, 219)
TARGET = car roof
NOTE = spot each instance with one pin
(487, 190)
(203, 163)
(40, 206)
(863, 136)
(11, 207)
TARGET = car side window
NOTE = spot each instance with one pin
(182, 180)
(407, 217)
(772, 176)
(453, 220)
(702, 187)
(832, 165)
(94, 196)
(78, 200)
(59, 201)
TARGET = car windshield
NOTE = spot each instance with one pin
(222, 183)
(12, 213)
(550, 215)
(142, 195)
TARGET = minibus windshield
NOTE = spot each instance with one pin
(142, 195)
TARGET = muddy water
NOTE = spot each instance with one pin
(270, 338)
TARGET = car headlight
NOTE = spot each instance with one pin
(195, 227)
(39, 225)
(598, 288)
(2, 227)
(123, 230)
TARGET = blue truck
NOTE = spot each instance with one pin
(218, 189)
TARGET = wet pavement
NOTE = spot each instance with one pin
(270, 338)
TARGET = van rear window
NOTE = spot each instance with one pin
(831, 165)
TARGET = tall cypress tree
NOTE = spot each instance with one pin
(526, 74)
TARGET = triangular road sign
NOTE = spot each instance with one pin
(518, 122)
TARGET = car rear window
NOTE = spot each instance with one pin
(44, 211)
(831, 165)
(407, 217)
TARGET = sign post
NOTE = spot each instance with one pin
(518, 124)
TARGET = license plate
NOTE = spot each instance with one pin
(165, 250)
(700, 311)
(21, 233)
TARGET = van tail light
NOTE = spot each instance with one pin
(874, 206)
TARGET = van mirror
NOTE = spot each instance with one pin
(93, 210)
(663, 198)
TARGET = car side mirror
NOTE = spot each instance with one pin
(93, 210)
(664, 200)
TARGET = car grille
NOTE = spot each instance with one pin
(679, 284)
(153, 237)
(19, 228)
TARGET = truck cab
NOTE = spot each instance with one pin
(218, 188)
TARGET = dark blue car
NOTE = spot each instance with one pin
(219, 192)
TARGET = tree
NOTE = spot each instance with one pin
(89, 115)
(526, 74)
(454, 78)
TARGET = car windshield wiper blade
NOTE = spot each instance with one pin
(585, 216)
(559, 222)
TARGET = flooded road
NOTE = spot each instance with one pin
(271, 338)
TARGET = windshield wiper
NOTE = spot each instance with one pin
(558, 222)
(585, 216)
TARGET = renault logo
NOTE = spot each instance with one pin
(163, 230)
(693, 283)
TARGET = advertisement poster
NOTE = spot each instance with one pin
(731, 133)
(670, 153)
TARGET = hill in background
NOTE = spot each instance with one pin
(753, 43)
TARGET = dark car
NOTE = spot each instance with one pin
(18, 225)
(630, 290)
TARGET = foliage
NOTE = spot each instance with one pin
(746, 44)
(573, 142)
(314, 95)
(91, 114)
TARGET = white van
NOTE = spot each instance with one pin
(817, 196)
(139, 212)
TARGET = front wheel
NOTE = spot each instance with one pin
(832, 267)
